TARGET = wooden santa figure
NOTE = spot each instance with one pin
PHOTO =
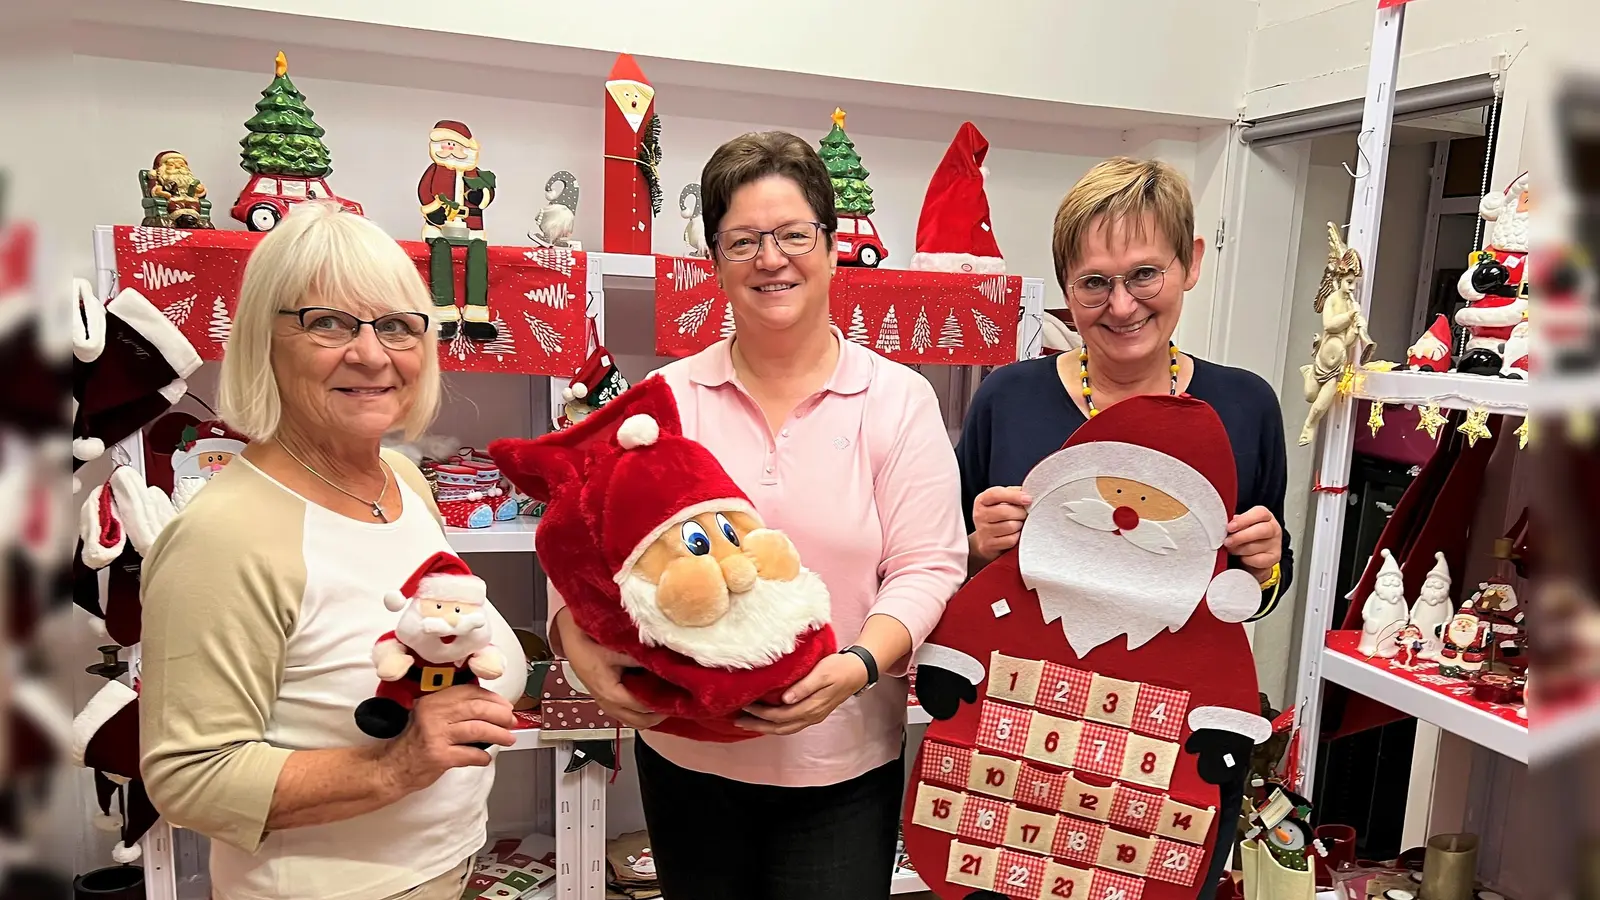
(631, 183)
(1093, 694)
(1494, 284)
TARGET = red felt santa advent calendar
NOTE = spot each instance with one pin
(1092, 691)
(631, 185)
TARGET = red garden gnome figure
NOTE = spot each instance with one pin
(661, 557)
(443, 639)
(1093, 693)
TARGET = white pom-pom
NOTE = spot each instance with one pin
(638, 431)
(124, 854)
(1234, 595)
(108, 822)
(394, 601)
(88, 448)
(579, 390)
(567, 395)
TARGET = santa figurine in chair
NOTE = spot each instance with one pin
(661, 557)
(1092, 691)
(1495, 283)
(443, 639)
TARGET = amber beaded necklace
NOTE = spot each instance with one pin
(1088, 392)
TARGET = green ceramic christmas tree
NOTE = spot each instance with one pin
(284, 139)
(851, 192)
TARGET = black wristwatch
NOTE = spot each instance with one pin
(865, 656)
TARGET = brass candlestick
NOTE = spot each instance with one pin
(109, 667)
(1450, 868)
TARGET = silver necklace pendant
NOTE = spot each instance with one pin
(378, 513)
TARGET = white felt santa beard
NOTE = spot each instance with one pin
(762, 625)
(1130, 589)
(425, 635)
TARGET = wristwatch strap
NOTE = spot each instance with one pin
(865, 656)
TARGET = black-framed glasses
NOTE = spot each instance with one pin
(793, 239)
(335, 327)
(1143, 282)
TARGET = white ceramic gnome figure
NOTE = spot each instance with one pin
(1432, 608)
(1385, 612)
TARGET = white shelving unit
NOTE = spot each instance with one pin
(1500, 396)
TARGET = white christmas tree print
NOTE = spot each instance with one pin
(157, 276)
(221, 323)
(552, 258)
(505, 344)
(950, 334)
(178, 313)
(549, 339)
(727, 319)
(994, 289)
(889, 333)
(554, 296)
(146, 239)
(921, 337)
(690, 320)
(858, 328)
(987, 328)
(686, 275)
(461, 346)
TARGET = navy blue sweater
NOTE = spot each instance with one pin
(1022, 414)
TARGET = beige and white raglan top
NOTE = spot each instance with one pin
(260, 613)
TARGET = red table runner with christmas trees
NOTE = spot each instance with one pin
(911, 317)
(536, 296)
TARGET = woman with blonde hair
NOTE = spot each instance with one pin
(264, 597)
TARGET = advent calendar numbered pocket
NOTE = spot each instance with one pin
(1112, 701)
(1014, 680)
(994, 775)
(972, 866)
(1149, 762)
(1039, 788)
(938, 808)
(984, 820)
(1052, 740)
(1063, 691)
(1136, 810)
(1031, 831)
(1183, 822)
(1004, 728)
(946, 764)
(1078, 841)
(1160, 712)
(1101, 749)
(1019, 874)
(1065, 882)
(1087, 801)
(1125, 852)
(1176, 863)
(1115, 886)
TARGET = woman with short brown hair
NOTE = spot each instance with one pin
(846, 452)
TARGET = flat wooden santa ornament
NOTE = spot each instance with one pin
(632, 150)
(1092, 691)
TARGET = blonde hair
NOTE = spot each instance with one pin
(1124, 190)
(318, 250)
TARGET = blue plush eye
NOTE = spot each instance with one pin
(727, 529)
(695, 539)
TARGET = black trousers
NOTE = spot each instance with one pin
(718, 839)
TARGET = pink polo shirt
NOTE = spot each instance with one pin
(863, 479)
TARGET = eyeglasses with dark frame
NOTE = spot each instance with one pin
(1142, 282)
(791, 239)
(336, 328)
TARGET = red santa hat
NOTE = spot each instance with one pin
(1432, 349)
(105, 738)
(588, 378)
(162, 156)
(1187, 456)
(626, 69)
(130, 365)
(451, 130)
(954, 233)
(444, 576)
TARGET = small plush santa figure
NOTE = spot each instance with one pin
(954, 233)
(1432, 608)
(1431, 352)
(1110, 644)
(1465, 644)
(443, 639)
(660, 556)
(1494, 283)
(1385, 611)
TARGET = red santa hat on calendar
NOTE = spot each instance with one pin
(954, 233)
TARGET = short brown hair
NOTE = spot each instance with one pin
(751, 157)
(1124, 189)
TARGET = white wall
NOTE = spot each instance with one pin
(1307, 53)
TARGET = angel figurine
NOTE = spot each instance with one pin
(1344, 329)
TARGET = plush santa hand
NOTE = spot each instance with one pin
(392, 660)
(487, 664)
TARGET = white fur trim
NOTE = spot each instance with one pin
(139, 314)
(89, 335)
(638, 431)
(958, 262)
(1221, 718)
(1234, 595)
(1143, 464)
(939, 656)
(454, 588)
(124, 854)
(450, 134)
(95, 555)
(87, 449)
(579, 390)
(394, 601)
(174, 390)
(185, 489)
(683, 515)
(96, 713)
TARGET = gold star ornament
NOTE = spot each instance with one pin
(1476, 426)
(838, 117)
(1431, 420)
(1375, 418)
